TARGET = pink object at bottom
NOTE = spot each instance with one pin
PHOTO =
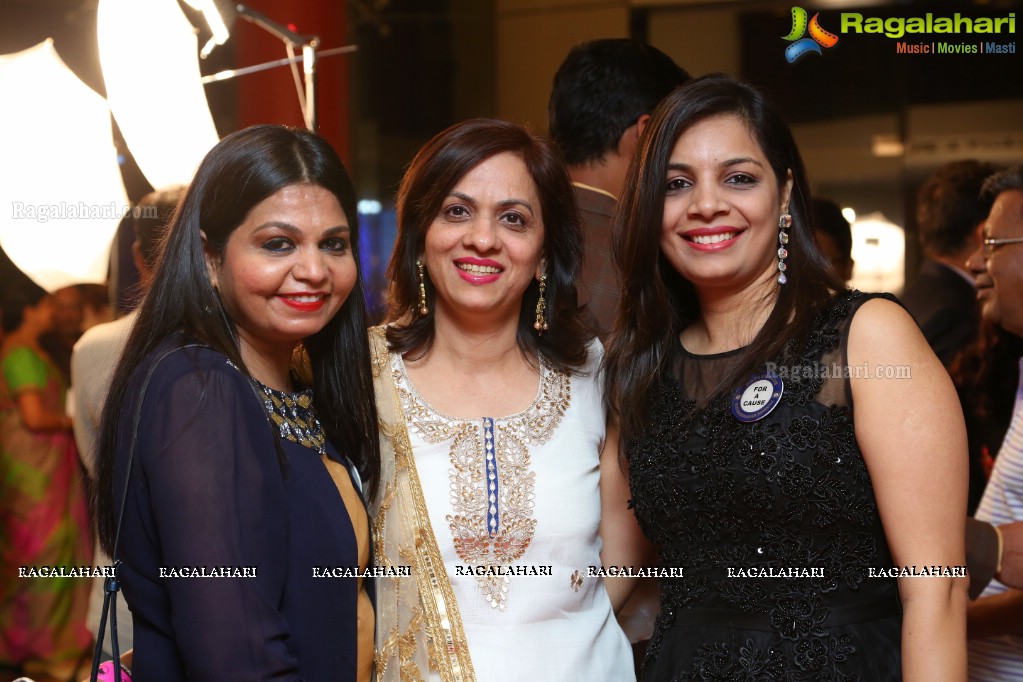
(106, 673)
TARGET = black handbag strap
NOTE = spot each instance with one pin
(111, 585)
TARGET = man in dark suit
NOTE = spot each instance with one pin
(943, 298)
(602, 97)
(834, 236)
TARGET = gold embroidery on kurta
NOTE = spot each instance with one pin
(491, 479)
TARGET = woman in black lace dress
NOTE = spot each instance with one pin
(734, 368)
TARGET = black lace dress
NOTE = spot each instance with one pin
(789, 496)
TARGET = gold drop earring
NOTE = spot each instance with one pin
(541, 323)
(423, 310)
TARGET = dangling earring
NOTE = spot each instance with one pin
(784, 223)
(541, 324)
(423, 310)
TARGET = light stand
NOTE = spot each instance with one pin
(309, 58)
(293, 40)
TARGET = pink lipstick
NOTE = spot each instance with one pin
(478, 270)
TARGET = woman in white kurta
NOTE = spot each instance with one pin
(499, 477)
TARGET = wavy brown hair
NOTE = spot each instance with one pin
(431, 176)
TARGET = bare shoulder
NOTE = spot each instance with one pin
(882, 328)
(880, 315)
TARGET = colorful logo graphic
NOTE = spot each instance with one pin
(818, 36)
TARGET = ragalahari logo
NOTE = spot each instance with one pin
(802, 46)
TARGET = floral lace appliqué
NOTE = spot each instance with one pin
(790, 490)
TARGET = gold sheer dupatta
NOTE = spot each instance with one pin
(418, 625)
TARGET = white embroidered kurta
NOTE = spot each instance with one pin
(520, 494)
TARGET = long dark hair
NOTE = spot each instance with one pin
(434, 171)
(245, 168)
(657, 303)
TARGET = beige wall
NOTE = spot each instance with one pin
(533, 37)
(701, 39)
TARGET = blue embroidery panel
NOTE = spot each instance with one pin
(493, 486)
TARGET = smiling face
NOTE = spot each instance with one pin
(721, 207)
(1000, 276)
(484, 247)
(286, 270)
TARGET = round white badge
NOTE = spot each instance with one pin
(756, 399)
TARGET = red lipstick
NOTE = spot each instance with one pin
(304, 306)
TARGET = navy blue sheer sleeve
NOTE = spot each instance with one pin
(207, 497)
